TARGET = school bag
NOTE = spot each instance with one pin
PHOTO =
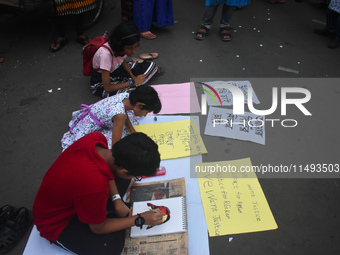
(88, 53)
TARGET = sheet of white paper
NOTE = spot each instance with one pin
(226, 95)
(247, 127)
(175, 224)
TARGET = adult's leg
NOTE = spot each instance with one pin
(60, 25)
(332, 21)
(61, 40)
(207, 20)
(143, 13)
(163, 13)
(333, 25)
(225, 29)
(227, 13)
(79, 21)
(208, 15)
(126, 9)
(337, 27)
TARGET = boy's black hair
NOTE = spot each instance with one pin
(124, 34)
(148, 96)
(138, 154)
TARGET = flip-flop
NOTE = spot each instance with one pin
(61, 44)
(148, 56)
(14, 228)
(148, 35)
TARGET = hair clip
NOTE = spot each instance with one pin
(128, 36)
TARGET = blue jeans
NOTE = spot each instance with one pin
(209, 14)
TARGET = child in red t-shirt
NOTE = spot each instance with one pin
(70, 208)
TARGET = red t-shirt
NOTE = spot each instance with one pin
(77, 184)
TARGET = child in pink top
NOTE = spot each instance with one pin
(115, 74)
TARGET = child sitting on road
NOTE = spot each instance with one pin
(70, 208)
(109, 115)
(114, 73)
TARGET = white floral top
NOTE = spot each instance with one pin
(97, 118)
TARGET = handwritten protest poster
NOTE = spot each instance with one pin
(247, 127)
(226, 95)
(175, 139)
(233, 202)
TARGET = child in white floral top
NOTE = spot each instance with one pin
(109, 116)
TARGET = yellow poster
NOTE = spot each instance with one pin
(175, 139)
(232, 198)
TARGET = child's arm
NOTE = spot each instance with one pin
(120, 207)
(108, 87)
(118, 125)
(129, 125)
(138, 79)
(116, 224)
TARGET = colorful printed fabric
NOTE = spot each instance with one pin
(65, 7)
(149, 69)
(334, 5)
(147, 11)
(227, 2)
(97, 118)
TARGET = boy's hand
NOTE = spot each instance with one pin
(139, 79)
(153, 218)
(120, 208)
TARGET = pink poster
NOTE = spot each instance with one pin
(178, 98)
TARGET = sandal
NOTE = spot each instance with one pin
(138, 60)
(160, 71)
(226, 35)
(202, 33)
(83, 40)
(58, 45)
(14, 228)
(148, 35)
(5, 212)
(148, 56)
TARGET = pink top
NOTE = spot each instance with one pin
(103, 60)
